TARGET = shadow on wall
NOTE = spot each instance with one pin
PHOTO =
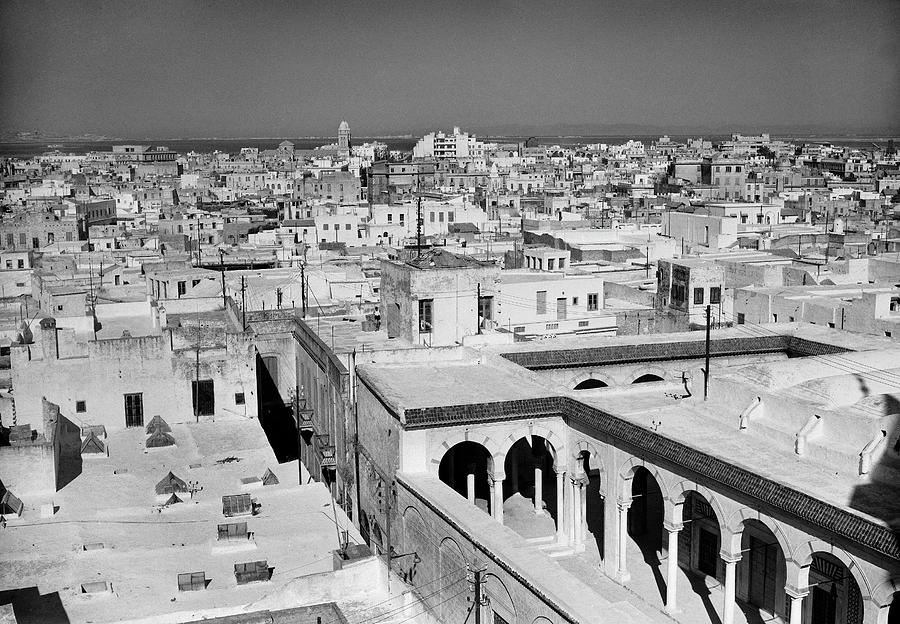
(32, 607)
(870, 496)
(69, 452)
(275, 415)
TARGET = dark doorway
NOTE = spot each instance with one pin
(134, 410)
(707, 552)
(206, 406)
(462, 460)
(824, 605)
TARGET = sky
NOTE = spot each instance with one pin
(221, 68)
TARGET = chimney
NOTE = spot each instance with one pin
(49, 340)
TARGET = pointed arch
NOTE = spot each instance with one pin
(734, 526)
(680, 490)
(626, 474)
(802, 559)
(555, 444)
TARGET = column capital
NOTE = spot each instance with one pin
(728, 557)
(623, 505)
(498, 477)
(673, 527)
(796, 593)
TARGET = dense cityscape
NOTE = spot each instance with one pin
(420, 373)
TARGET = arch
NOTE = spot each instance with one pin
(468, 468)
(803, 555)
(647, 378)
(582, 377)
(682, 488)
(541, 620)
(654, 371)
(554, 442)
(591, 384)
(451, 561)
(735, 527)
(626, 474)
(415, 531)
(884, 594)
(501, 599)
(585, 446)
(465, 436)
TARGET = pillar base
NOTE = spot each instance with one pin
(623, 577)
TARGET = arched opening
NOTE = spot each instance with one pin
(466, 467)
(762, 572)
(589, 384)
(894, 610)
(700, 539)
(649, 377)
(529, 490)
(834, 596)
(594, 510)
(645, 522)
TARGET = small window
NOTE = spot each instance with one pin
(740, 318)
(238, 398)
(519, 330)
(425, 315)
(583, 323)
(59, 308)
(81, 407)
(831, 325)
(774, 318)
(715, 294)
(791, 319)
(551, 326)
(541, 303)
(887, 334)
(325, 225)
(347, 226)
(574, 301)
(698, 296)
(593, 302)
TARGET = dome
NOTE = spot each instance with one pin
(344, 127)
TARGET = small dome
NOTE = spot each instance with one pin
(344, 127)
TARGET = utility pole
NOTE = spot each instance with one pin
(278, 298)
(478, 310)
(419, 226)
(222, 271)
(827, 238)
(199, 256)
(244, 302)
(303, 287)
(706, 365)
(475, 576)
(296, 406)
(197, 374)
(648, 259)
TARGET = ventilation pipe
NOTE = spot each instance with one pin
(865, 457)
(809, 428)
(754, 407)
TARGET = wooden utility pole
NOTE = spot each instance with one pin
(197, 375)
(478, 310)
(475, 576)
(706, 365)
(244, 302)
(222, 271)
(419, 226)
(303, 287)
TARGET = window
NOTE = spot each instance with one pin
(549, 264)
(574, 301)
(593, 302)
(519, 330)
(390, 218)
(80, 407)
(541, 302)
(325, 225)
(715, 294)
(583, 323)
(402, 215)
(430, 214)
(426, 318)
(740, 318)
(11, 239)
(134, 410)
(238, 398)
(887, 334)
(182, 288)
(698, 296)
(441, 217)
(450, 216)
(59, 308)
(774, 318)
(551, 326)
(486, 307)
(562, 263)
(791, 319)
(347, 226)
(831, 325)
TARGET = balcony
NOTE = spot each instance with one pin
(304, 417)
(326, 452)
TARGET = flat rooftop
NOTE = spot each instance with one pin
(110, 527)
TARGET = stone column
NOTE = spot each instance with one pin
(672, 568)
(573, 513)
(470, 487)
(796, 597)
(622, 566)
(538, 490)
(560, 507)
(730, 569)
(514, 474)
(492, 505)
(498, 499)
(582, 512)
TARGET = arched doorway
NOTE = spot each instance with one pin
(645, 522)
(647, 378)
(834, 596)
(590, 384)
(466, 467)
(529, 489)
(762, 571)
(594, 508)
(700, 540)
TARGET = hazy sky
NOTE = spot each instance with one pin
(252, 68)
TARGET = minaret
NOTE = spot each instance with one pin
(344, 139)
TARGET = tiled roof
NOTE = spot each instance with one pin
(645, 443)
